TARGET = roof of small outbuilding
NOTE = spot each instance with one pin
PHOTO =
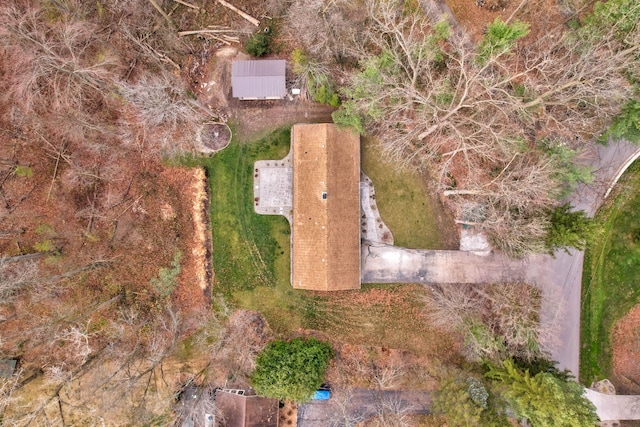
(258, 79)
(247, 410)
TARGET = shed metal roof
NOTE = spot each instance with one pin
(261, 79)
(7, 367)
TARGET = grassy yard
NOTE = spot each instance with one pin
(610, 285)
(414, 216)
(251, 256)
(250, 251)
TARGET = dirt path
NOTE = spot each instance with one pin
(251, 119)
(254, 120)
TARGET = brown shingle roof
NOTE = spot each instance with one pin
(247, 411)
(326, 208)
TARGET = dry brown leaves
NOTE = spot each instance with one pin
(625, 341)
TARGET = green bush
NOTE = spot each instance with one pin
(567, 172)
(466, 402)
(315, 77)
(325, 95)
(301, 61)
(500, 38)
(348, 115)
(260, 43)
(621, 16)
(543, 399)
(24, 171)
(166, 280)
(291, 370)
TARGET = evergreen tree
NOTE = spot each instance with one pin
(500, 38)
(466, 402)
(543, 399)
(568, 228)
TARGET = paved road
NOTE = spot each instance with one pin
(360, 405)
(564, 273)
(559, 276)
(615, 407)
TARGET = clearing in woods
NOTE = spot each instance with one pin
(251, 263)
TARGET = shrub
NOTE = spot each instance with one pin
(314, 76)
(260, 43)
(291, 370)
(325, 95)
(166, 280)
(466, 402)
(625, 125)
(500, 38)
(348, 116)
(621, 16)
(543, 399)
(24, 171)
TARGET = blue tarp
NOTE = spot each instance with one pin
(321, 395)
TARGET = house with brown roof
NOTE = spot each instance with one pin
(317, 188)
(325, 229)
(242, 410)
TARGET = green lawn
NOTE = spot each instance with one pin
(610, 285)
(416, 218)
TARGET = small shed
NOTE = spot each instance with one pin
(7, 367)
(241, 410)
(258, 79)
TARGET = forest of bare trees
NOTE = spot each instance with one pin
(92, 300)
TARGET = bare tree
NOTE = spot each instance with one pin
(159, 102)
(448, 307)
(477, 116)
(341, 415)
(246, 333)
(74, 105)
(197, 406)
(387, 376)
(54, 69)
(15, 276)
(8, 387)
(325, 29)
(391, 411)
(162, 119)
(497, 321)
(76, 339)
